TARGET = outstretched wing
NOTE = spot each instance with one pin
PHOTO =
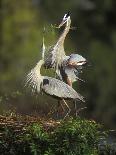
(71, 67)
(55, 56)
(50, 61)
(59, 89)
(66, 71)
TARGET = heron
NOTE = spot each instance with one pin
(67, 67)
(51, 86)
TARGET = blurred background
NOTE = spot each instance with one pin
(21, 32)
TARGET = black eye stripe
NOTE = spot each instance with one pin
(45, 81)
(68, 14)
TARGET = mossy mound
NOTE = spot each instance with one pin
(22, 135)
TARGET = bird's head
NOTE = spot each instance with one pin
(65, 19)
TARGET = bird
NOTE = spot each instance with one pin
(51, 86)
(67, 67)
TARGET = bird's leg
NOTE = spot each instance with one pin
(80, 109)
(75, 105)
(60, 104)
(69, 110)
(58, 109)
(52, 110)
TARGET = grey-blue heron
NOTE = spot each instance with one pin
(49, 85)
(66, 66)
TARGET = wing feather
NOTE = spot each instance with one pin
(55, 56)
(60, 89)
(51, 57)
(33, 80)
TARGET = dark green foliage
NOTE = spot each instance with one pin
(37, 139)
(70, 137)
(77, 137)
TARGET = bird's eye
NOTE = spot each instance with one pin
(67, 15)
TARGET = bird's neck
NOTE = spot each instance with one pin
(64, 33)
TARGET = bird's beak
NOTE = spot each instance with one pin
(82, 63)
(62, 23)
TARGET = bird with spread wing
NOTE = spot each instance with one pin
(67, 67)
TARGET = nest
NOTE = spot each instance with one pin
(19, 123)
